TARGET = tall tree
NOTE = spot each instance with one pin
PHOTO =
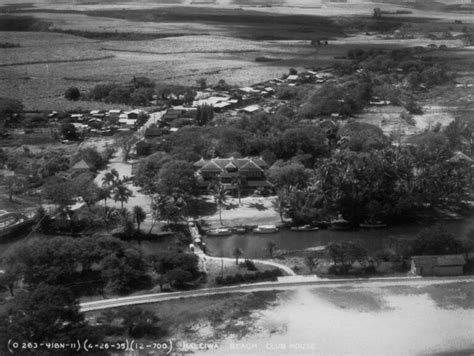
(237, 253)
(109, 180)
(47, 314)
(14, 184)
(219, 194)
(139, 216)
(121, 193)
(176, 178)
(311, 262)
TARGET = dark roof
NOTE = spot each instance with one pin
(250, 166)
(211, 166)
(440, 260)
(246, 164)
(170, 117)
(143, 144)
(173, 112)
(152, 131)
(460, 157)
(200, 163)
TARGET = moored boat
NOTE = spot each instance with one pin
(304, 228)
(239, 230)
(14, 224)
(219, 232)
(340, 224)
(265, 229)
(373, 225)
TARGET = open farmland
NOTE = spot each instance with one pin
(46, 64)
(216, 42)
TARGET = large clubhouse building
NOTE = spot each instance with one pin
(248, 172)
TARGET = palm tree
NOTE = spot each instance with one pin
(127, 223)
(139, 216)
(104, 193)
(122, 194)
(109, 179)
(312, 262)
(109, 215)
(115, 173)
(238, 182)
(158, 206)
(237, 253)
(281, 202)
(220, 198)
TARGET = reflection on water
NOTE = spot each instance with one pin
(255, 245)
(308, 323)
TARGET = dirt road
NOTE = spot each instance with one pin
(266, 286)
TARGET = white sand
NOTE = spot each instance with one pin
(406, 325)
(246, 213)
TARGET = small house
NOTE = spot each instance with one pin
(153, 132)
(438, 265)
(251, 109)
(143, 148)
(81, 166)
(129, 123)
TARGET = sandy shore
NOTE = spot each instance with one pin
(250, 211)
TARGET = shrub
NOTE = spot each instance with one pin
(250, 265)
(219, 280)
(370, 270)
(101, 91)
(249, 277)
(336, 270)
(413, 108)
(72, 93)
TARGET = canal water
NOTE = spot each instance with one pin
(255, 245)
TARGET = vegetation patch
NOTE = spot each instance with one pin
(348, 298)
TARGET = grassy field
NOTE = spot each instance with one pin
(215, 42)
(66, 60)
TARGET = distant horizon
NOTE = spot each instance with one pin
(291, 3)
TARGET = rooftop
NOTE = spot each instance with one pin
(440, 260)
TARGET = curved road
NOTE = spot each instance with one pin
(284, 284)
(202, 256)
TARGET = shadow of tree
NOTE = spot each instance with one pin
(231, 206)
(258, 206)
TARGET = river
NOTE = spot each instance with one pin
(255, 245)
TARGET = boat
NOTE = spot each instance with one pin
(322, 224)
(304, 228)
(340, 224)
(373, 225)
(219, 232)
(265, 229)
(14, 224)
(239, 230)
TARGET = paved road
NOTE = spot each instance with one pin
(286, 284)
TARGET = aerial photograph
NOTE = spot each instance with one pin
(236, 177)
